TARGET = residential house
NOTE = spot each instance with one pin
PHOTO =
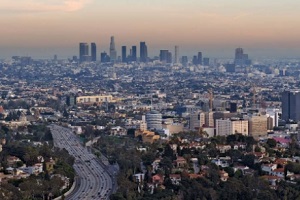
(195, 176)
(118, 130)
(278, 172)
(239, 146)
(220, 162)
(155, 165)
(180, 162)
(272, 180)
(139, 178)
(12, 160)
(223, 148)
(35, 169)
(242, 168)
(157, 179)
(223, 175)
(175, 178)
(268, 168)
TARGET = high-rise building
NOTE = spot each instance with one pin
(258, 126)
(74, 59)
(143, 52)
(94, 52)
(83, 52)
(233, 107)
(199, 58)
(165, 56)
(241, 58)
(226, 127)
(239, 54)
(124, 54)
(290, 103)
(270, 123)
(112, 50)
(231, 68)
(240, 126)
(209, 119)
(71, 100)
(223, 127)
(195, 60)
(154, 120)
(274, 114)
(104, 57)
(197, 120)
(184, 60)
(206, 61)
(143, 124)
(176, 58)
(133, 54)
(169, 58)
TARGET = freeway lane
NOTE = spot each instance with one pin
(94, 181)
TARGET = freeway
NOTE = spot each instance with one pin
(93, 180)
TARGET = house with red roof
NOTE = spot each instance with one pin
(157, 179)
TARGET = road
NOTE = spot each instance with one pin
(93, 180)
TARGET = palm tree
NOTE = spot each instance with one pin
(202, 133)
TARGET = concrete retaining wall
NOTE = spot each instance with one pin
(68, 192)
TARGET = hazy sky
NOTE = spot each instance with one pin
(215, 27)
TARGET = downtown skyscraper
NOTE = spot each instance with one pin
(112, 50)
(93, 52)
(83, 52)
(143, 52)
(133, 54)
(165, 56)
(241, 58)
(124, 54)
(199, 59)
(176, 59)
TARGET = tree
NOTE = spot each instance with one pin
(168, 152)
(248, 160)
(272, 143)
(148, 158)
(19, 164)
(235, 155)
(218, 140)
(166, 164)
(230, 171)
(257, 149)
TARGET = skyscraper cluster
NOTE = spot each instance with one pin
(165, 56)
(132, 57)
(197, 60)
(84, 52)
(84, 55)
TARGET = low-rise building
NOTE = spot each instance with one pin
(94, 99)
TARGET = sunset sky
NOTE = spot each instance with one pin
(215, 27)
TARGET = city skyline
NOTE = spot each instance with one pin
(267, 29)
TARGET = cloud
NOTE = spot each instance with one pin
(44, 6)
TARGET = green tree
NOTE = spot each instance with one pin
(272, 143)
(248, 160)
